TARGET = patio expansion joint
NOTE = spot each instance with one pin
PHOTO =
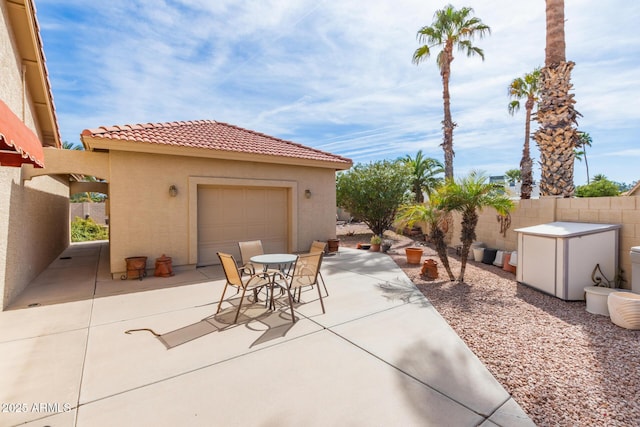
(89, 326)
(488, 417)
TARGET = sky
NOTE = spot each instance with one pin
(337, 75)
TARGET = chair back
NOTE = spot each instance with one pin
(249, 249)
(317, 246)
(230, 269)
(306, 269)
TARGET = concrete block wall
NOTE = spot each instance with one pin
(624, 210)
(97, 212)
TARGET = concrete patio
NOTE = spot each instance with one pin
(381, 355)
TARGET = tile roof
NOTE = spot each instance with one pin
(212, 135)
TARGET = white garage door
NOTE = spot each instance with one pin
(228, 215)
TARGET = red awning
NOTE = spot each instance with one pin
(18, 144)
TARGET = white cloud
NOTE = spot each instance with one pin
(337, 75)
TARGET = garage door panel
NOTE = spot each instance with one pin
(229, 215)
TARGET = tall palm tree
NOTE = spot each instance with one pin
(425, 171)
(557, 135)
(468, 195)
(525, 87)
(584, 141)
(450, 28)
(435, 218)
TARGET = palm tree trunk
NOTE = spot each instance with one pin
(556, 136)
(437, 237)
(555, 49)
(526, 173)
(467, 236)
(447, 123)
(584, 148)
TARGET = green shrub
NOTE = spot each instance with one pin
(84, 230)
(599, 187)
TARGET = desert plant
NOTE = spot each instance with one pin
(468, 195)
(425, 171)
(600, 186)
(432, 214)
(373, 192)
(83, 230)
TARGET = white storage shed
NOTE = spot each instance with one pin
(559, 257)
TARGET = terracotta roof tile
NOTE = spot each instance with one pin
(212, 135)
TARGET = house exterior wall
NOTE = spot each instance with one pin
(146, 221)
(624, 210)
(33, 216)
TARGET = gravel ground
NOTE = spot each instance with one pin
(563, 365)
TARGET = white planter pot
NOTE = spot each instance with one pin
(477, 254)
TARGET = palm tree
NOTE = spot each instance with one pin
(513, 175)
(468, 195)
(557, 136)
(435, 218)
(424, 171)
(70, 146)
(584, 141)
(450, 28)
(525, 87)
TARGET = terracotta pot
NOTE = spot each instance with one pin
(375, 247)
(413, 255)
(163, 267)
(505, 264)
(332, 245)
(136, 267)
(430, 269)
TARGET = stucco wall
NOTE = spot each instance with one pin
(33, 217)
(602, 210)
(146, 221)
(34, 228)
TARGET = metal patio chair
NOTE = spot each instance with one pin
(253, 282)
(318, 246)
(304, 273)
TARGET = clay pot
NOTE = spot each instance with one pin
(136, 267)
(375, 247)
(430, 269)
(163, 267)
(413, 255)
(505, 264)
(332, 245)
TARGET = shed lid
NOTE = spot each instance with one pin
(566, 229)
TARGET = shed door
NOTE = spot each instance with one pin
(228, 215)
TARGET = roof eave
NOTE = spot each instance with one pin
(27, 34)
(91, 143)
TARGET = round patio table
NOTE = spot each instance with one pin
(281, 260)
(274, 259)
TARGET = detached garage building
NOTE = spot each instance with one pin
(191, 189)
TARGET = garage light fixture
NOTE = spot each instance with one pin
(173, 190)
(307, 193)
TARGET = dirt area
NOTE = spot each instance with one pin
(563, 365)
